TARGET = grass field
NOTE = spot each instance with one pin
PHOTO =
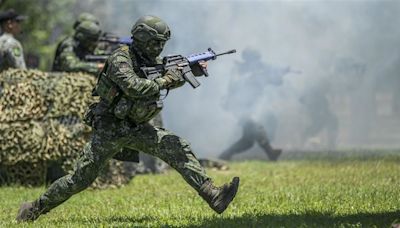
(308, 191)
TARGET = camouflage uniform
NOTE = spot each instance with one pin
(112, 134)
(148, 163)
(11, 53)
(70, 58)
(120, 120)
(71, 52)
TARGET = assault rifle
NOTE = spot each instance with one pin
(96, 58)
(108, 42)
(186, 64)
(111, 38)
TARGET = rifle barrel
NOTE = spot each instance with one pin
(226, 53)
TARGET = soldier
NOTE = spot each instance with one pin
(252, 132)
(71, 52)
(246, 90)
(11, 53)
(120, 120)
(61, 63)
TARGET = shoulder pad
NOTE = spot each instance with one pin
(122, 51)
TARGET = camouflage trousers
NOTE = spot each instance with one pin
(112, 135)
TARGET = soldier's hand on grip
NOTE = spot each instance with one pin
(100, 66)
(172, 79)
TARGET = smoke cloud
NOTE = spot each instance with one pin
(341, 89)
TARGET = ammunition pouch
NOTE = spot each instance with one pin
(107, 89)
(138, 111)
(143, 111)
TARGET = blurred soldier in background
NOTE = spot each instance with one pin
(11, 52)
(252, 132)
(120, 120)
(252, 81)
(71, 52)
(322, 118)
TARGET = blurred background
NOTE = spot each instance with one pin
(318, 75)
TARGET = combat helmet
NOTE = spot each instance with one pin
(87, 34)
(149, 34)
(86, 17)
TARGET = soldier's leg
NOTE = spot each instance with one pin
(131, 155)
(263, 141)
(85, 172)
(153, 164)
(96, 153)
(170, 148)
(147, 163)
(243, 144)
(177, 153)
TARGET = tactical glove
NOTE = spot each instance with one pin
(172, 79)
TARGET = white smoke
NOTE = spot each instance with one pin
(346, 51)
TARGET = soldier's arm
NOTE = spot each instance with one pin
(15, 56)
(71, 63)
(121, 72)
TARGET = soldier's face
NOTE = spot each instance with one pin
(155, 47)
(90, 44)
(15, 27)
(12, 26)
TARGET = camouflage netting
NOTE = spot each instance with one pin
(40, 124)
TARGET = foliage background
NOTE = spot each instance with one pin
(48, 22)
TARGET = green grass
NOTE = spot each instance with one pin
(348, 191)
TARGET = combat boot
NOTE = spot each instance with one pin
(218, 198)
(274, 154)
(29, 212)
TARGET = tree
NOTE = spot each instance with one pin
(47, 21)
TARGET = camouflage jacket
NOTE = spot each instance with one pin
(125, 90)
(11, 53)
(70, 58)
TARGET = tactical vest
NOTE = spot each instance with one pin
(139, 110)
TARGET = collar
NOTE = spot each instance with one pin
(7, 34)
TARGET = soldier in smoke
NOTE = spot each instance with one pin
(11, 52)
(244, 96)
(322, 118)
